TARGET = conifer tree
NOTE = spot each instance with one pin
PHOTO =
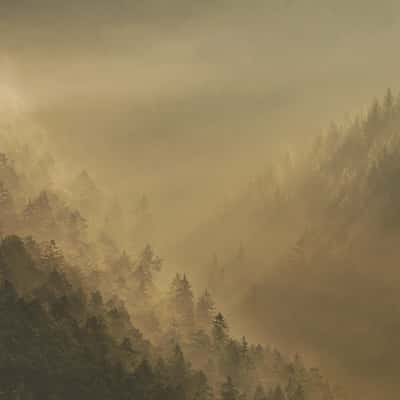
(147, 264)
(228, 390)
(178, 368)
(7, 211)
(259, 393)
(278, 394)
(205, 310)
(200, 389)
(181, 301)
(299, 393)
(219, 331)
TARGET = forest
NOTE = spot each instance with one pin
(82, 315)
(320, 229)
(199, 200)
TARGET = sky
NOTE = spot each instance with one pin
(188, 100)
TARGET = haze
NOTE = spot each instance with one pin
(187, 102)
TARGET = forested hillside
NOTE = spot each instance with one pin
(82, 316)
(320, 232)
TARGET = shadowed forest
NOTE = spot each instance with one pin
(179, 217)
(82, 315)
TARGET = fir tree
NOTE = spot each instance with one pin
(259, 393)
(228, 390)
(181, 301)
(278, 394)
(219, 330)
(147, 264)
(205, 310)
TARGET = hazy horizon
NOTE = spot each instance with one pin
(210, 91)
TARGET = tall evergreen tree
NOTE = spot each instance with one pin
(219, 330)
(228, 390)
(178, 368)
(259, 393)
(200, 389)
(205, 310)
(181, 301)
(8, 218)
(278, 394)
(145, 267)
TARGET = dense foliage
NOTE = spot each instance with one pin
(82, 318)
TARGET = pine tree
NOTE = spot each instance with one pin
(186, 297)
(259, 393)
(242, 396)
(291, 388)
(76, 226)
(374, 119)
(278, 394)
(299, 393)
(244, 347)
(231, 360)
(52, 256)
(300, 371)
(181, 302)
(205, 310)
(178, 368)
(7, 211)
(246, 362)
(39, 214)
(8, 295)
(89, 198)
(219, 331)
(147, 264)
(388, 105)
(96, 302)
(200, 389)
(200, 342)
(6, 200)
(8, 174)
(228, 390)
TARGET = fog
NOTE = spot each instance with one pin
(188, 102)
(187, 92)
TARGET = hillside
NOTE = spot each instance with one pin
(319, 242)
(81, 317)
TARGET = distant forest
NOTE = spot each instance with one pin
(320, 233)
(82, 316)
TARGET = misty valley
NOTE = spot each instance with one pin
(81, 314)
(199, 200)
(311, 262)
